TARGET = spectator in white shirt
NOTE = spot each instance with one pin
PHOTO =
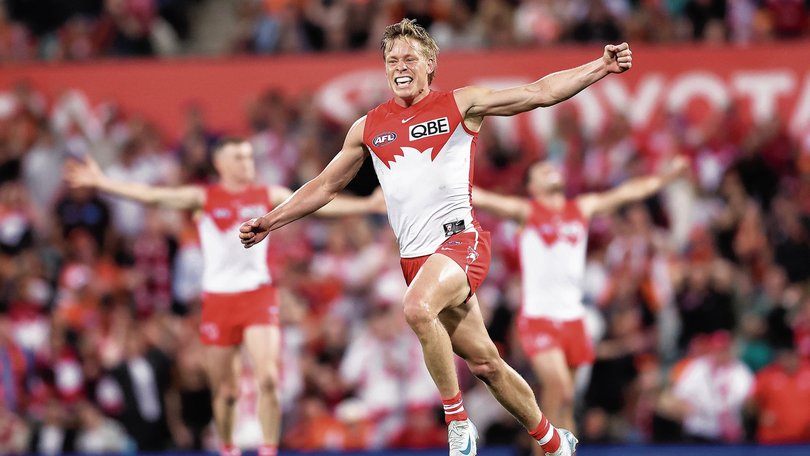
(713, 389)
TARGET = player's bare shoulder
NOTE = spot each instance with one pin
(354, 138)
(466, 99)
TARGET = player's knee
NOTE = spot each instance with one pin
(227, 392)
(565, 395)
(417, 313)
(487, 369)
(268, 381)
(559, 390)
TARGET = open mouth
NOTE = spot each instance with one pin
(403, 81)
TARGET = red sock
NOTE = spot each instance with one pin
(268, 450)
(230, 450)
(454, 409)
(546, 435)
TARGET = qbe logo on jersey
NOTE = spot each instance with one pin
(430, 128)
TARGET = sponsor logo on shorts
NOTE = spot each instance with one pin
(383, 139)
(453, 243)
(430, 128)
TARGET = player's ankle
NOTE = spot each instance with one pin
(454, 409)
(546, 435)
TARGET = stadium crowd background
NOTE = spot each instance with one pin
(94, 292)
(87, 29)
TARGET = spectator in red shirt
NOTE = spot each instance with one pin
(780, 395)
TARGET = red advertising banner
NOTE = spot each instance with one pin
(765, 81)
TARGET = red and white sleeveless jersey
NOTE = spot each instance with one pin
(228, 266)
(552, 261)
(423, 157)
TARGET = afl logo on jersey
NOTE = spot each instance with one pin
(221, 213)
(430, 128)
(384, 138)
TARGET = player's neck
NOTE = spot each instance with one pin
(234, 186)
(408, 102)
(554, 200)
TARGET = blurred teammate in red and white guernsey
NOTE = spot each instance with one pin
(239, 303)
(552, 246)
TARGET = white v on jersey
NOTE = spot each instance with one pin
(228, 267)
(552, 260)
(423, 157)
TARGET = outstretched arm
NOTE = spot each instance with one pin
(477, 102)
(85, 173)
(503, 206)
(635, 189)
(314, 194)
(342, 206)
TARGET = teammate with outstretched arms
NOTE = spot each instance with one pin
(422, 144)
(239, 303)
(552, 246)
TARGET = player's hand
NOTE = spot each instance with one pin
(253, 231)
(618, 58)
(83, 172)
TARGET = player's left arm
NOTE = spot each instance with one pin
(635, 189)
(477, 102)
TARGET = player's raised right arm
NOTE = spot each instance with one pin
(85, 173)
(314, 194)
(503, 206)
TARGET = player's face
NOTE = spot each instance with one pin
(407, 69)
(235, 162)
(545, 178)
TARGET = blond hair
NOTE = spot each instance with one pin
(409, 29)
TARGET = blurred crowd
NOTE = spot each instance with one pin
(87, 29)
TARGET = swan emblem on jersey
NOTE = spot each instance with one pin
(569, 232)
(411, 158)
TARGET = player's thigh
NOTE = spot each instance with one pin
(219, 365)
(468, 332)
(440, 283)
(551, 368)
(263, 344)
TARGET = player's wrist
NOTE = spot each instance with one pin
(266, 222)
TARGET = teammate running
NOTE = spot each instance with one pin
(239, 303)
(422, 144)
(552, 243)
